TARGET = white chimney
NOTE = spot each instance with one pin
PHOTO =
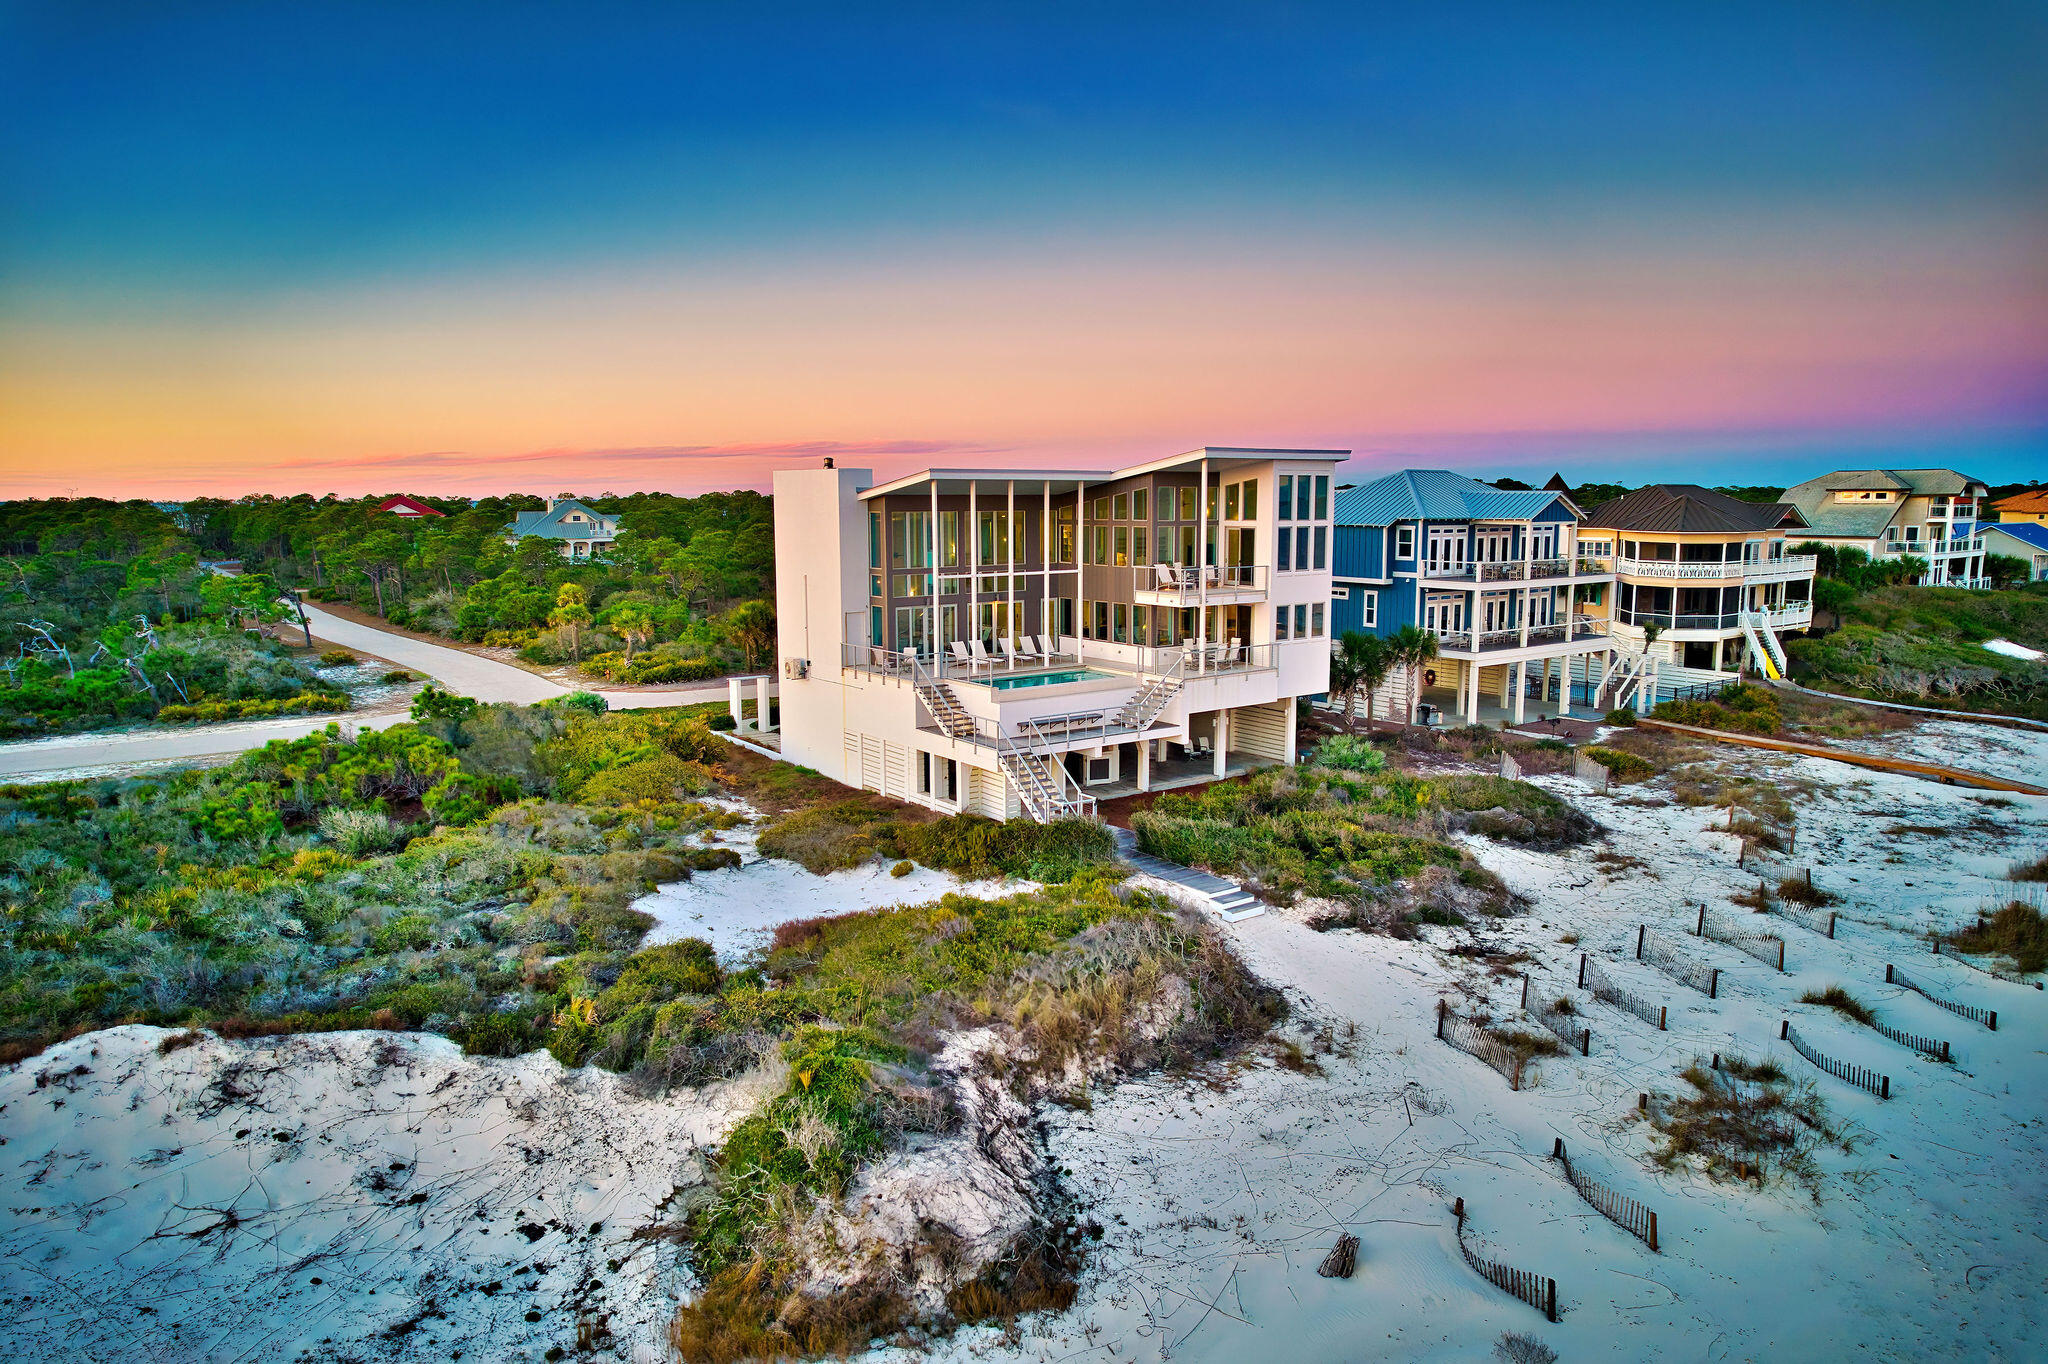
(550, 503)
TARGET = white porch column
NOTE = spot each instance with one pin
(1292, 704)
(971, 628)
(1521, 683)
(1564, 685)
(1144, 765)
(1222, 741)
(938, 645)
(1010, 535)
(761, 703)
(1471, 692)
(734, 703)
(1202, 591)
(1507, 686)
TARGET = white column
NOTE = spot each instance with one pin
(971, 629)
(1010, 555)
(1564, 684)
(734, 703)
(1222, 741)
(932, 633)
(1202, 590)
(1471, 690)
(1045, 623)
(1521, 685)
(1080, 563)
(1144, 765)
(761, 703)
(1291, 704)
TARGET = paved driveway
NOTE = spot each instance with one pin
(465, 673)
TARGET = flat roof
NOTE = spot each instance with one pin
(1038, 481)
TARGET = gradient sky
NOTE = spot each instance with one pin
(453, 248)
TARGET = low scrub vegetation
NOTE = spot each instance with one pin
(1622, 766)
(1743, 708)
(1924, 646)
(1354, 837)
(858, 829)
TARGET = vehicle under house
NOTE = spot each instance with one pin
(1026, 641)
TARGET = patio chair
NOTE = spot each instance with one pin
(962, 655)
(1023, 648)
(1045, 648)
(1169, 576)
(980, 654)
(1010, 652)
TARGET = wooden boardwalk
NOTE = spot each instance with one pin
(1951, 776)
(1228, 900)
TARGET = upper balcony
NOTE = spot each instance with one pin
(1932, 549)
(1786, 569)
(1469, 643)
(1196, 584)
(1793, 615)
(1440, 573)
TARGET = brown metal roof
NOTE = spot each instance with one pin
(1688, 508)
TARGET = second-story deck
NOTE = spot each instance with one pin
(1590, 631)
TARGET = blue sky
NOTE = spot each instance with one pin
(210, 208)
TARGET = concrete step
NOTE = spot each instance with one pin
(1226, 899)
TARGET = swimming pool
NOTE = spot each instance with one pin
(1013, 681)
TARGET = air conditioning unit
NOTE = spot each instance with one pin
(796, 667)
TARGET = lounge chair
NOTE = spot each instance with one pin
(1010, 652)
(1169, 577)
(980, 654)
(1023, 649)
(962, 655)
(1045, 649)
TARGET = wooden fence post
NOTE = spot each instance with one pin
(1714, 984)
(1441, 1009)
(1700, 929)
(1992, 1022)
(1458, 1211)
(1781, 956)
(1550, 1300)
(1525, 991)
(1884, 1086)
(1653, 1231)
(1642, 1103)
(1784, 1029)
(1663, 1010)
(1582, 970)
(1831, 920)
(1557, 1148)
(1887, 973)
(1641, 929)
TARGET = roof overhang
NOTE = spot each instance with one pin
(1036, 482)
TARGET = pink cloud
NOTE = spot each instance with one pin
(750, 451)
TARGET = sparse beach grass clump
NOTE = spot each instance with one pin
(1843, 1003)
(1745, 1121)
(1743, 708)
(2018, 931)
(2036, 870)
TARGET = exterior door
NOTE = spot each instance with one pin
(1447, 551)
(1444, 615)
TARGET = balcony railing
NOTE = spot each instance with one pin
(1190, 582)
(1792, 565)
(1508, 571)
(1973, 544)
(1554, 632)
(1789, 615)
(1187, 660)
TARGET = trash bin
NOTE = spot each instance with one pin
(1425, 713)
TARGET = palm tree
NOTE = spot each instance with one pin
(1412, 646)
(570, 616)
(1359, 660)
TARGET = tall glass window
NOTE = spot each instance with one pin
(1283, 505)
(1187, 504)
(874, 539)
(1322, 497)
(1250, 509)
(1322, 548)
(1139, 501)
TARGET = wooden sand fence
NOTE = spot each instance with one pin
(1509, 768)
(1566, 1026)
(1474, 1040)
(1654, 948)
(1538, 1290)
(1594, 774)
(1988, 1017)
(1926, 1045)
(1942, 950)
(1859, 1076)
(1604, 988)
(1631, 1216)
(1821, 921)
(1767, 948)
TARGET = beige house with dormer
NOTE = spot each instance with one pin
(1928, 514)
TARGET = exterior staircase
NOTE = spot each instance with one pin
(1148, 701)
(1632, 680)
(1227, 900)
(1043, 786)
(947, 712)
(1764, 649)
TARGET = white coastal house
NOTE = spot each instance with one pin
(1925, 514)
(1022, 642)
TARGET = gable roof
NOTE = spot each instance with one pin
(552, 524)
(1687, 508)
(1867, 520)
(2026, 532)
(1438, 495)
(1557, 484)
(407, 506)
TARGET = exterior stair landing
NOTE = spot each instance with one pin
(1227, 900)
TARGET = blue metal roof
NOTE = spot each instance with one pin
(1436, 495)
(549, 525)
(2028, 532)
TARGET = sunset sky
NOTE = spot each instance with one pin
(506, 247)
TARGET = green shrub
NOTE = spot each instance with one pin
(827, 838)
(407, 933)
(660, 778)
(1622, 766)
(207, 712)
(724, 721)
(1623, 718)
(397, 676)
(902, 869)
(1349, 753)
(337, 658)
(1743, 708)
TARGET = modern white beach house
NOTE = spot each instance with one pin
(1023, 641)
